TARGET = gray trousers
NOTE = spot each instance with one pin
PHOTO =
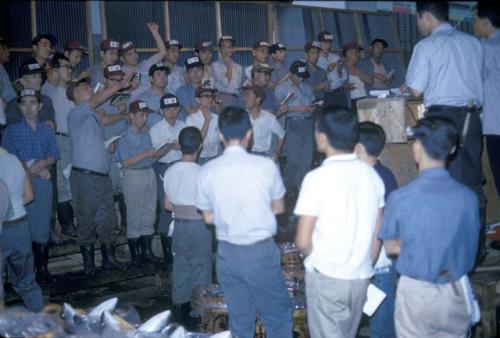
(334, 306)
(94, 207)
(139, 190)
(428, 310)
(40, 210)
(192, 250)
(18, 257)
(63, 190)
(299, 148)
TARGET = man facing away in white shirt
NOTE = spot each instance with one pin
(340, 207)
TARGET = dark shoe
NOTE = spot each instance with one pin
(41, 256)
(147, 253)
(186, 320)
(166, 244)
(66, 218)
(88, 259)
(108, 257)
(135, 253)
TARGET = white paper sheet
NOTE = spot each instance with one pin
(374, 297)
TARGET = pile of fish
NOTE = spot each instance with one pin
(104, 320)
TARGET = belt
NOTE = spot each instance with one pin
(89, 172)
(139, 168)
(62, 134)
(15, 221)
(443, 108)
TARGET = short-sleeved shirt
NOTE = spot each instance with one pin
(143, 69)
(86, 134)
(62, 106)
(264, 127)
(345, 194)
(13, 174)
(5, 204)
(7, 92)
(14, 113)
(359, 91)
(368, 65)
(27, 144)
(176, 79)
(179, 183)
(270, 103)
(117, 128)
(163, 132)
(317, 76)
(279, 72)
(219, 70)
(390, 185)
(302, 95)
(491, 80)
(153, 100)
(437, 222)
(211, 142)
(239, 189)
(133, 143)
(447, 68)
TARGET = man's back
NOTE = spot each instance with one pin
(447, 68)
(437, 220)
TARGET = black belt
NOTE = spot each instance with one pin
(442, 108)
(89, 172)
(15, 221)
(62, 134)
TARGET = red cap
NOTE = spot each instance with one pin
(74, 45)
(203, 45)
(109, 44)
(125, 47)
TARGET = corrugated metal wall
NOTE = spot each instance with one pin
(126, 20)
(191, 21)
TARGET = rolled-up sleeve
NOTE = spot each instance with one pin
(417, 77)
(390, 224)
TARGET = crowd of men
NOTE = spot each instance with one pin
(179, 148)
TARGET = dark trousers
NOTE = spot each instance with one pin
(165, 217)
(94, 207)
(17, 255)
(465, 164)
(493, 147)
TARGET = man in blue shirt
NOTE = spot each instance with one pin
(432, 224)
(34, 143)
(89, 180)
(447, 68)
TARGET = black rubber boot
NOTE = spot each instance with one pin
(166, 244)
(65, 217)
(135, 253)
(108, 257)
(88, 259)
(41, 256)
(147, 253)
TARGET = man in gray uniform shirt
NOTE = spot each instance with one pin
(89, 180)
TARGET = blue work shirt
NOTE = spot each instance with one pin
(7, 92)
(279, 72)
(133, 143)
(117, 128)
(270, 104)
(447, 68)
(317, 76)
(437, 222)
(302, 95)
(186, 97)
(86, 135)
(153, 101)
(491, 81)
(27, 144)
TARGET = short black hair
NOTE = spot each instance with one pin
(438, 136)
(439, 9)
(56, 60)
(372, 137)
(234, 123)
(489, 10)
(190, 139)
(341, 127)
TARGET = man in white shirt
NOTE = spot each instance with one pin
(340, 207)
(164, 134)
(241, 193)
(264, 124)
(192, 240)
(206, 122)
(177, 74)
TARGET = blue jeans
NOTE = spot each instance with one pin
(40, 210)
(382, 321)
(252, 282)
